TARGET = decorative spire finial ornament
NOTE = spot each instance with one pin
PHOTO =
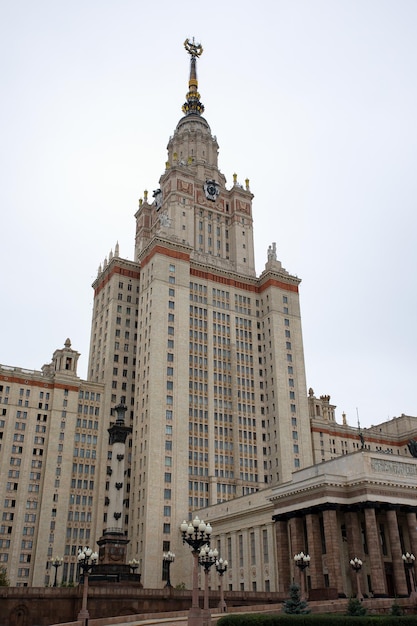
(193, 106)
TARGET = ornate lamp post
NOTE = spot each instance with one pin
(356, 565)
(56, 562)
(409, 561)
(302, 561)
(133, 564)
(86, 560)
(221, 567)
(168, 558)
(206, 559)
(196, 534)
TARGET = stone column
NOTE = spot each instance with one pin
(412, 535)
(412, 532)
(297, 540)
(333, 554)
(400, 582)
(297, 544)
(379, 586)
(354, 541)
(283, 556)
(315, 550)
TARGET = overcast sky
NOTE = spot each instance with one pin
(314, 101)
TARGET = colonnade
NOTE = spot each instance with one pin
(375, 532)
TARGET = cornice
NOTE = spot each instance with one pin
(124, 267)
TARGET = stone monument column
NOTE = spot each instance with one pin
(113, 543)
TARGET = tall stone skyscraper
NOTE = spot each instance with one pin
(207, 356)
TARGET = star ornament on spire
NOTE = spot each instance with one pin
(194, 49)
(193, 104)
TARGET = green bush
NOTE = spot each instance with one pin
(355, 608)
(396, 609)
(294, 605)
(4, 580)
(315, 619)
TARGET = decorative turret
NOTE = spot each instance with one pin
(193, 106)
(64, 361)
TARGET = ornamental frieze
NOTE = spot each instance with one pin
(393, 467)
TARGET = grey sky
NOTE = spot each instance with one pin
(314, 101)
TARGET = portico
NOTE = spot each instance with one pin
(359, 505)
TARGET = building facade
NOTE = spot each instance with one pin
(331, 439)
(207, 357)
(51, 462)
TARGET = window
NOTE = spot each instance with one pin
(252, 549)
(265, 546)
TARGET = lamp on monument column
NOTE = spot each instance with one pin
(133, 564)
(168, 558)
(409, 561)
(206, 559)
(221, 567)
(302, 561)
(86, 560)
(196, 534)
(356, 565)
(56, 562)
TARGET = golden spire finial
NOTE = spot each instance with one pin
(193, 104)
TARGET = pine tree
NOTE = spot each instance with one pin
(4, 581)
(355, 608)
(396, 609)
(294, 604)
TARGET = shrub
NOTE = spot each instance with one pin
(355, 608)
(294, 604)
(396, 609)
(4, 581)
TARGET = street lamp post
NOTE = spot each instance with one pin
(56, 562)
(196, 534)
(86, 559)
(206, 559)
(302, 561)
(221, 567)
(409, 561)
(356, 565)
(168, 558)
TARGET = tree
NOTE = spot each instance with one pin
(396, 609)
(294, 604)
(355, 608)
(4, 581)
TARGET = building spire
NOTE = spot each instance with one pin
(193, 106)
